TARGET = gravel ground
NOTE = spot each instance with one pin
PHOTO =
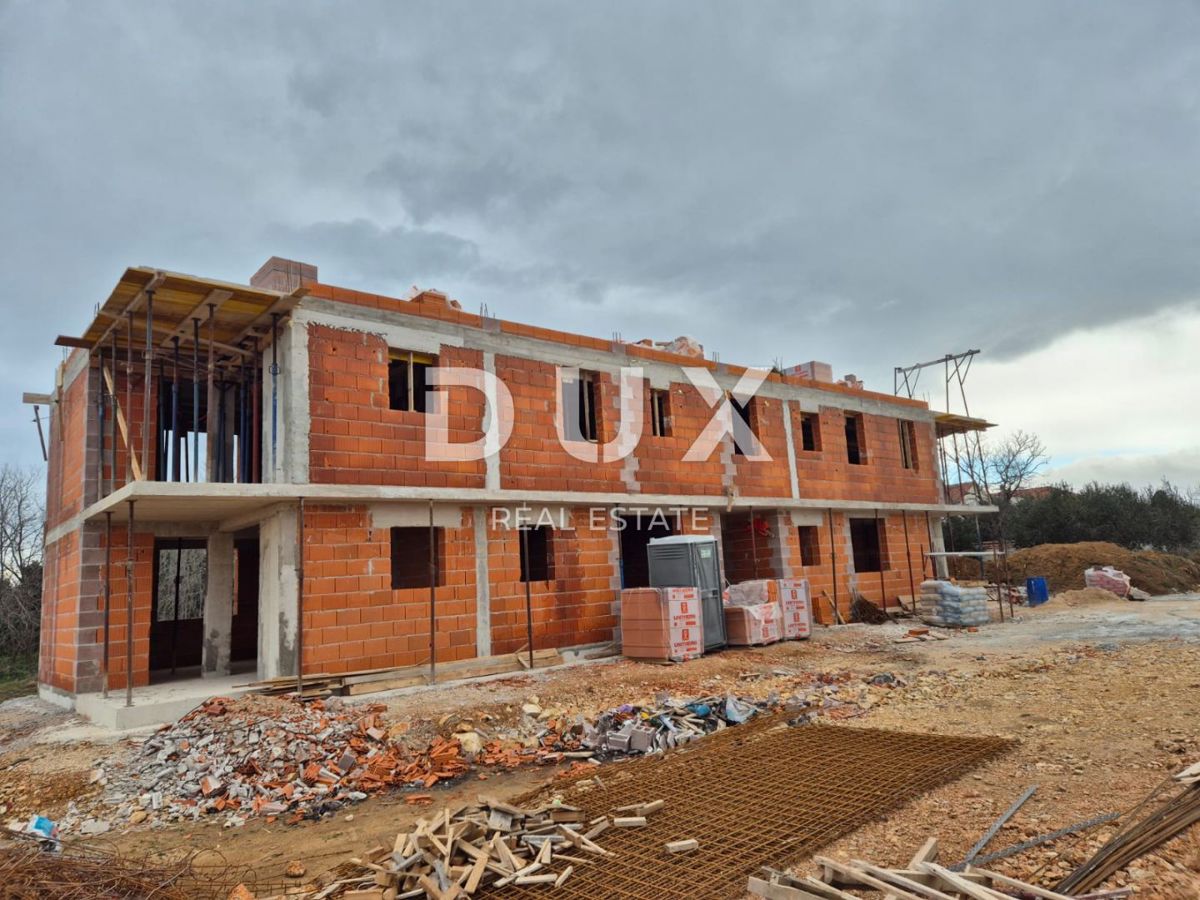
(1103, 698)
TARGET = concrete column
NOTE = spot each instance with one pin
(218, 606)
(278, 594)
(793, 476)
(938, 541)
(483, 587)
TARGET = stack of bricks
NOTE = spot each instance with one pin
(662, 624)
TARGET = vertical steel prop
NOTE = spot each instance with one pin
(196, 398)
(129, 608)
(107, 593)
(528, 595)
(147, 368)
(432, 595)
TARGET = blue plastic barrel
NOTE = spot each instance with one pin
(1037, 591)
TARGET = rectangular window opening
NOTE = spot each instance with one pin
(538, 563)
(810, 545)
(746, 412)
(183, 576)
(908, 443)
(660, 412)
(810, 432)
(408, 379)
(868, 542)
(410, 557)
(856, 449)
(579, 405)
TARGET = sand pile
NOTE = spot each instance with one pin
(1085, 597)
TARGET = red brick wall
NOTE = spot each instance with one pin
(354, 438)
(533, 458)
(353, 619)
(576, 607)
(821, 577)
(766, 478)
(660, 465)
(740, 547)
(826, 474)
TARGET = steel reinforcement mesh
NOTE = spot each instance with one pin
(758, 794)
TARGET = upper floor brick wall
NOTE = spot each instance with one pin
(356, 438)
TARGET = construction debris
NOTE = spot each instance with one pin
(487, 845)
(274, 758)
(1164, 818)
(923, 878)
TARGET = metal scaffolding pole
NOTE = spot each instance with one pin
(300, 597)
(107, 593)
(148, 365)
(112, 428)
(275, 390)
(753, 546)
(196, 398)
(432, 578)
(209, 444)
(100, 390)
(528, 596)
(129, 608)
(176, 441)
(912, 585)
(882, 536)
(128, 398)
(837, 615)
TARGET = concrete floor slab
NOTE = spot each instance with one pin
(157, 704)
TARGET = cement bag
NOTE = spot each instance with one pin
(754, 593)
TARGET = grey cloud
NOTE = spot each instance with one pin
(869, 184)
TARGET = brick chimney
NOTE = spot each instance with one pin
(285, 275)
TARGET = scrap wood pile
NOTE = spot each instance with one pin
(275, 758)
(483, 847)
(921, 879)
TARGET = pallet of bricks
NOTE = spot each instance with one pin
(768, 610)
(662, 624)
(949, 605)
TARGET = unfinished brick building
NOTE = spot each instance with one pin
(256, 490)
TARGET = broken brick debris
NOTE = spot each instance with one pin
(274, 758)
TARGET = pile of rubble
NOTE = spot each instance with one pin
(271, 757)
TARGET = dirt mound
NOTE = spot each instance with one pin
(1085, 597)
(1062, 566)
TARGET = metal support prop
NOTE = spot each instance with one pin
(209, 446)
(929, 534)
(528, 596)
(176, 442)
(300, 597)
(148, 365)
(837, 615)
(912, 584)
(129, 608)
(128, 398)
(37, 420)
(107, 593)
(112, 428)
(882, 537)
(256, 419)
(196, 398)
(100, 390)
(432, 568)
(275, 390)
(175, 608)
(753, 546)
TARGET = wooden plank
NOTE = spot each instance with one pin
(959, 884)
(771, 891)
(1044, 893)
(856, 873)
(122, 425)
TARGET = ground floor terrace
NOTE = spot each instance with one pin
(265, 580)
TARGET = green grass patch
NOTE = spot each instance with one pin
(18, 676)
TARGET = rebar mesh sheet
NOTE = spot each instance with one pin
(759, 794)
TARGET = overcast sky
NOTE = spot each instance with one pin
(869, 184)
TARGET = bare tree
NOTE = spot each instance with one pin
(21, 520)
(1000, 470)
(1012, 465)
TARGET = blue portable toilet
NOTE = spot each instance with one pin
(1037, 591)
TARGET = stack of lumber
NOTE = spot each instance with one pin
(922, 879)
(486, 845)
(369, 681)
